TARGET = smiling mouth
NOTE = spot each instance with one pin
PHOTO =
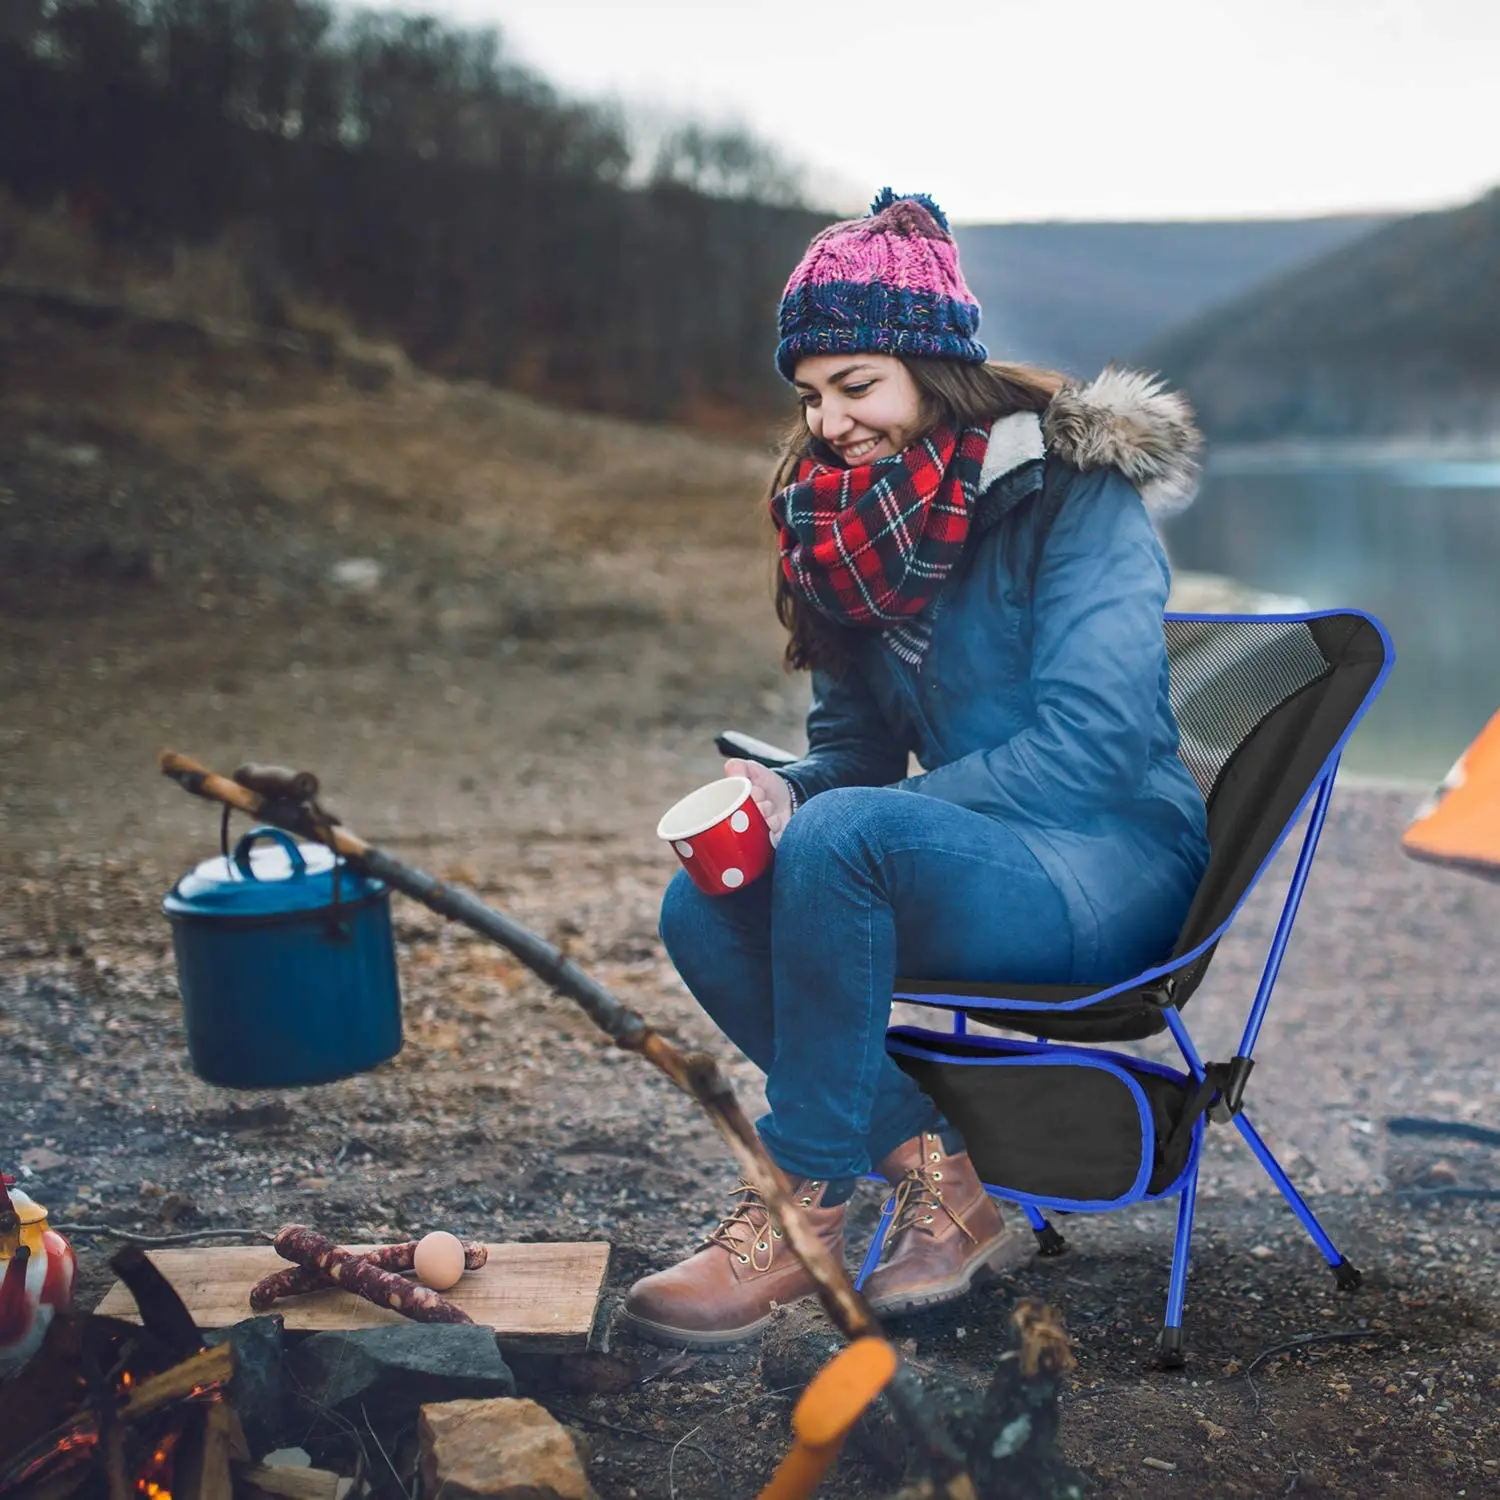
(857, 451)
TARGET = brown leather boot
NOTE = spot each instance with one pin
(726, 1289)
(946, 1230)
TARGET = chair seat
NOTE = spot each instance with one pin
(1125, 1016)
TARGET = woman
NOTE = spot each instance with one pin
(970, 572)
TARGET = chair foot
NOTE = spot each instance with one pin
(1049, 1242)
(1169, 1353)
(1347, 1276)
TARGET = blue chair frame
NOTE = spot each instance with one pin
(1226, 1083)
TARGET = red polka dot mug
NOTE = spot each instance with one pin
(719, 835)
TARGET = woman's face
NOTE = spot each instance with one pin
(864, 406)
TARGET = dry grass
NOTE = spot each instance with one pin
(549, 588)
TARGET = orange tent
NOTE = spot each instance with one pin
(1459, 825)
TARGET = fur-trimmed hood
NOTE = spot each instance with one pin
(1125, 419)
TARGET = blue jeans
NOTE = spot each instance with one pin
(798, 968)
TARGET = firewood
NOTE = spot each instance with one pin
(201, 1467)
(205, 1370)
(258, 1482)
(162, 1310)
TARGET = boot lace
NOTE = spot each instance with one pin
(748, 1231)
(916, 1203)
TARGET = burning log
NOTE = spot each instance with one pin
(201, 1374)
(202, 1470)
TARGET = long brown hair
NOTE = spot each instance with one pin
(955, 394)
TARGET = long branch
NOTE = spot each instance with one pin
(695, 1073)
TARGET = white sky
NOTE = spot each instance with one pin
(1076, 109)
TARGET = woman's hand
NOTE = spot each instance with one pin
(769, 791)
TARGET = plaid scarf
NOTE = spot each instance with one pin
(870, 546)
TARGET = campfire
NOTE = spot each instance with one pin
(110, 1410)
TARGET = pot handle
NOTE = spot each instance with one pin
(293, 853)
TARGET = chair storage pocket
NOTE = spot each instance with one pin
(1076, 1125)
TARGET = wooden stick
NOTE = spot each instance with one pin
(291, 1484)
(201, 1467)
(695, 1073)
(163, 1313)
(205, 1371)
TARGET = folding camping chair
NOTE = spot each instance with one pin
(1265, 704)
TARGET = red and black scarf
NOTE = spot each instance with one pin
(871, 546)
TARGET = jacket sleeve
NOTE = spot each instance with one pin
(1098, 662)
(849, 742)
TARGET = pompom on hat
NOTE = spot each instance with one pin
(889, 283)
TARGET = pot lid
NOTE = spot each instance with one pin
(268, 873)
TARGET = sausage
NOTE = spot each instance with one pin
(294, 1280)
(309, 1248)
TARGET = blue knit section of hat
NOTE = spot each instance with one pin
(845, 317)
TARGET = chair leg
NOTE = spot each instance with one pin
(1048, 1241)
(1347, 1276)
(872, 1255)
(1170, 1353)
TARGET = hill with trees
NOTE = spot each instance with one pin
(1397, 334)
(413, 175)
(1078, 296)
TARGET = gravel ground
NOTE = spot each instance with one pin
(516, 723)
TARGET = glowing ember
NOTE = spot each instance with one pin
(156, 1478)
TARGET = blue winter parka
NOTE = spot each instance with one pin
(1042, 701)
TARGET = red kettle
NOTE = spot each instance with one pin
(37, 1270)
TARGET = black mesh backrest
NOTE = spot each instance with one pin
(1260, 704)
(1226, 676)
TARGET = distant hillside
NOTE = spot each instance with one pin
(413, 177)
(1397, 334)
(1080, 295)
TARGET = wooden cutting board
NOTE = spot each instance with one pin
(540, 1297)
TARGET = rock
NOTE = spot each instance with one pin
(360, 574)
(258, 1391)
(40, 1159)
(391, 1370)
(498, 1450)
(797, 1344)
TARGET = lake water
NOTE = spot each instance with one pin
(1413, 540)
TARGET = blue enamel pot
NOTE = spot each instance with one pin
(286, 965)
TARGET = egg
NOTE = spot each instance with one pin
(439, 1260)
